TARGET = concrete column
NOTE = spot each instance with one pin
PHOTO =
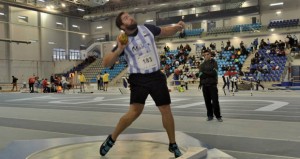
(8, 47)
(40, 62)
(67, 37)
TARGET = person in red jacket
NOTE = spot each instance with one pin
(31, 82)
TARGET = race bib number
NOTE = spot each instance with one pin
(146, 61)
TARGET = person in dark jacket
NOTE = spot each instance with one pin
(208, 82)
(14, 82)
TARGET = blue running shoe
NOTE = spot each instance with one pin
(106, 145)
(174, 149)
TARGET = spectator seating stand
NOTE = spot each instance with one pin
(272, 75)
(284, 23)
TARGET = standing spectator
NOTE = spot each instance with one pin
(82, 80)
(105, 81)
(255, 43)
(64, 83)
(228, 43)
(241, 44)
(208, 82)
(295, 40)
(265, 68)
(226, 81)
(234, 81)
(100, 81)
(14, 82)
(287, 42)
(145, 76)
(52, 80)
(31, 82)
(45, 84)
(258, 79)
(222, 46)
(185, 81)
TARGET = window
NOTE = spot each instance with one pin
(60, 25)
(22, 19)
(59, 54)
(74, 55)
(75, 27)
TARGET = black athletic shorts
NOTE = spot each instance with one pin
(155, 84)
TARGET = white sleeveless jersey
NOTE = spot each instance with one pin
(141, 52)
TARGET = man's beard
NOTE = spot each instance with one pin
(132, 26)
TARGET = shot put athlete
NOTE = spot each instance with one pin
(145, 76)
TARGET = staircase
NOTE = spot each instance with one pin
(90, 72)
(247, 63)
(91, 47)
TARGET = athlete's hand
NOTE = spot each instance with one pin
(121, 45)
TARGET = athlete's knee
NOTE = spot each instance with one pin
(136, 109)
(165, 109)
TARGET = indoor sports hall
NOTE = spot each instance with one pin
(60, 100)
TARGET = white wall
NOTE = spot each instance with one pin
(23, 60)
(16, 12)
(3, 45)
(2, 30)
(4, 71)
(24, 51)
(64, 66)
(141, 18)
(98, 33)
(239, 20)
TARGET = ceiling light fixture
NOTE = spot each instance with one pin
(276, 4)
(149, 20)
(99, 27)
(75, 26)
(51, 43)
(2, 14)
(50, 7)
(80, 9)
(22, 17)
